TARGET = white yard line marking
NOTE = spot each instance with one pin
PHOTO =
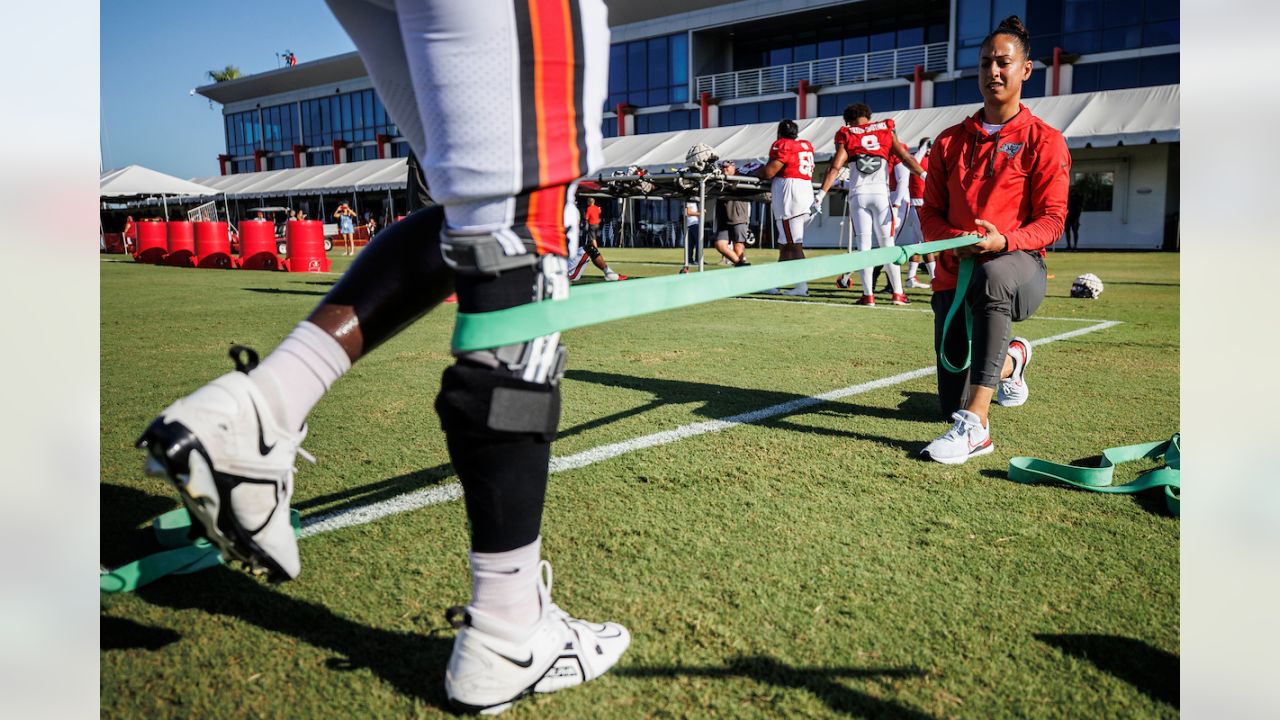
(899, 308)
(324, 522)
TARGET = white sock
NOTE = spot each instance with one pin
(504, 585)
(929, 266)
(912, 267)
(895, 277)
(299, 371)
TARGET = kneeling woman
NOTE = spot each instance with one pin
(1002, 174)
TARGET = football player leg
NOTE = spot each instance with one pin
(884, 237)
(792, 229)
(510, 226)
(861, 208)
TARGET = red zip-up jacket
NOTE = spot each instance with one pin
(1016, 179)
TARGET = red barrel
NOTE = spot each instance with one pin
(213, 244)
(151, 242)
(182, 244)
(258, 245)
(304, 240)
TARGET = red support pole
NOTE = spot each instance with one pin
(917, 92)
(382, 140)
(705, 100)
(223, 161)
(337, 151)
(802, 89)
(1057, 69)
(297, 155)
(258, 156)
(622, 119)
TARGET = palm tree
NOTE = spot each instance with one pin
(230, 72)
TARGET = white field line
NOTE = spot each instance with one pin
(899, 308)
(324, 522)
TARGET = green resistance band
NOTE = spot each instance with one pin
(171, 531)
(1031, 470)
(600, 303)
(963, 276)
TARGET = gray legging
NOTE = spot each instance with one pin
(1004, 290)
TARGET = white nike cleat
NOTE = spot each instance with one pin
(914, 283)
(1013, 391)
(966, 438)
(232, 464)
(495, 663)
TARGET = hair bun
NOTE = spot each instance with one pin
(1013, 24)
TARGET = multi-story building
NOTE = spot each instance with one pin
(679, 65)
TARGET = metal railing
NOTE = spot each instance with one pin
(844, 70)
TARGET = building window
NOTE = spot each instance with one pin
(649, 72)
(280, 127)
(1096, 190)
(354, 117)
(279, 162)
(243, 133)
(399, 149)
(757, 112)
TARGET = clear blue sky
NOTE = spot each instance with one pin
(154, 53)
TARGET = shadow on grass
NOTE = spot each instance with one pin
(121, 634)
(823, 682)
(1150, 670)
(412, 662)
(123, 509)
(285, 291)
(722, 402)
(362, 495)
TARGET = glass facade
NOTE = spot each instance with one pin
(355, 117)
(1137, 72)
(1076, 26)
(242, 132)
(649, 72)
(879, 100)
(837, 40)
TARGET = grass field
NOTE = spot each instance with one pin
(802, 564)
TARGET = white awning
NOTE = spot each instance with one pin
(1096, 119)
(137, 181)
(363, 176)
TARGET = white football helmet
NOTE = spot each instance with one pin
(1086, 286)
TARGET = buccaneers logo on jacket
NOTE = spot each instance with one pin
(1010, 149)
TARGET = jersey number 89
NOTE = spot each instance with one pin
(805, 160)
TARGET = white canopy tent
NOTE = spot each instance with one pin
(136, 182)
(1096, 119)
(363, 176)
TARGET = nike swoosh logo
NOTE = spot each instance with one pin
(513, 661)
(263, 447)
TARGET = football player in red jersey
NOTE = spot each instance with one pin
(869, 145)
(790, 167)
(1003, 174)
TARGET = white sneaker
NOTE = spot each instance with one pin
(611, 276)
(232, 464)
(1013, 391)
(797, 292)
(914, 283)
(966, 438)
(494, 663)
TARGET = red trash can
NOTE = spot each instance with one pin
(304, 240)
(258, 245)
(151, 242)
(213, 245)
(182, 244)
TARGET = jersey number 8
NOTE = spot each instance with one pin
(871, 142)
(806, 163)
